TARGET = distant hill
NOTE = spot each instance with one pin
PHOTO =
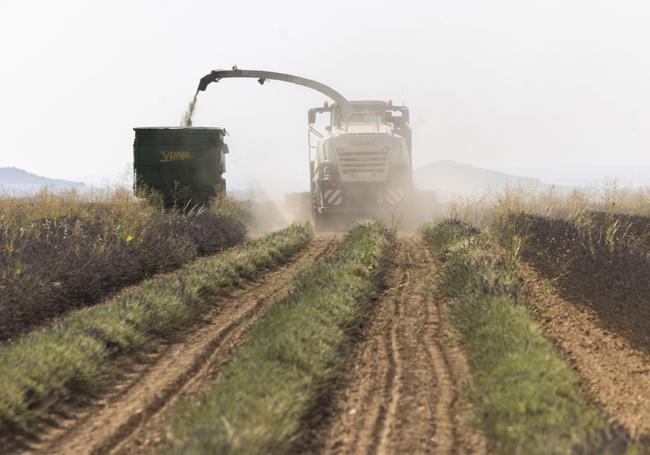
(449, 178)
(16, 180)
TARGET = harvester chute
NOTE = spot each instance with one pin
(262, 76)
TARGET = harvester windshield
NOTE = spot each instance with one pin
(363, 117)
(365, 122)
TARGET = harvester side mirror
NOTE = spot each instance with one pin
(312, 116)
(224, 149)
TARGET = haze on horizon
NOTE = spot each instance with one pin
(556, 90)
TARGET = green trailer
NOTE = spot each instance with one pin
(184, 165)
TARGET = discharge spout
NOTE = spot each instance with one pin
(262, 76)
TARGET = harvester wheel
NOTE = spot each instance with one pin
(322, 222)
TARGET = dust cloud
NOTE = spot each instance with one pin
(266, 214)
(421, 207)
(270, 214)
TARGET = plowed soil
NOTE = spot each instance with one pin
(403, 390)
(130, 419)
(615, 372)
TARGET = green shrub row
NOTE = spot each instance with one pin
(74, 356)
(293, 353)
(526, 396)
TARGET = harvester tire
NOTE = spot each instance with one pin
(322, 222)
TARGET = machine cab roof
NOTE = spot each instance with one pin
(370, 116)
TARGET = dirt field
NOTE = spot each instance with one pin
(402, 392)
(616, 373)
(405, 385)
(129, 419)
(589, 287)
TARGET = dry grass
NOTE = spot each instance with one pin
(555, 202)
(593, 243)
(599, 260)
(66, 250)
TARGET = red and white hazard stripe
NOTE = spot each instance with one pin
(394, 196)
(333, 197)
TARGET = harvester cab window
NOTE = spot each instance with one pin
(363, 117)
(356, 119)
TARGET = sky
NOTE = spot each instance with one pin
(558, 89)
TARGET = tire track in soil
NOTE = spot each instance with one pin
(446, 433)
(131, 418)
(616, 374)
(403, 389)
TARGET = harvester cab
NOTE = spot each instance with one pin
(360, 165)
